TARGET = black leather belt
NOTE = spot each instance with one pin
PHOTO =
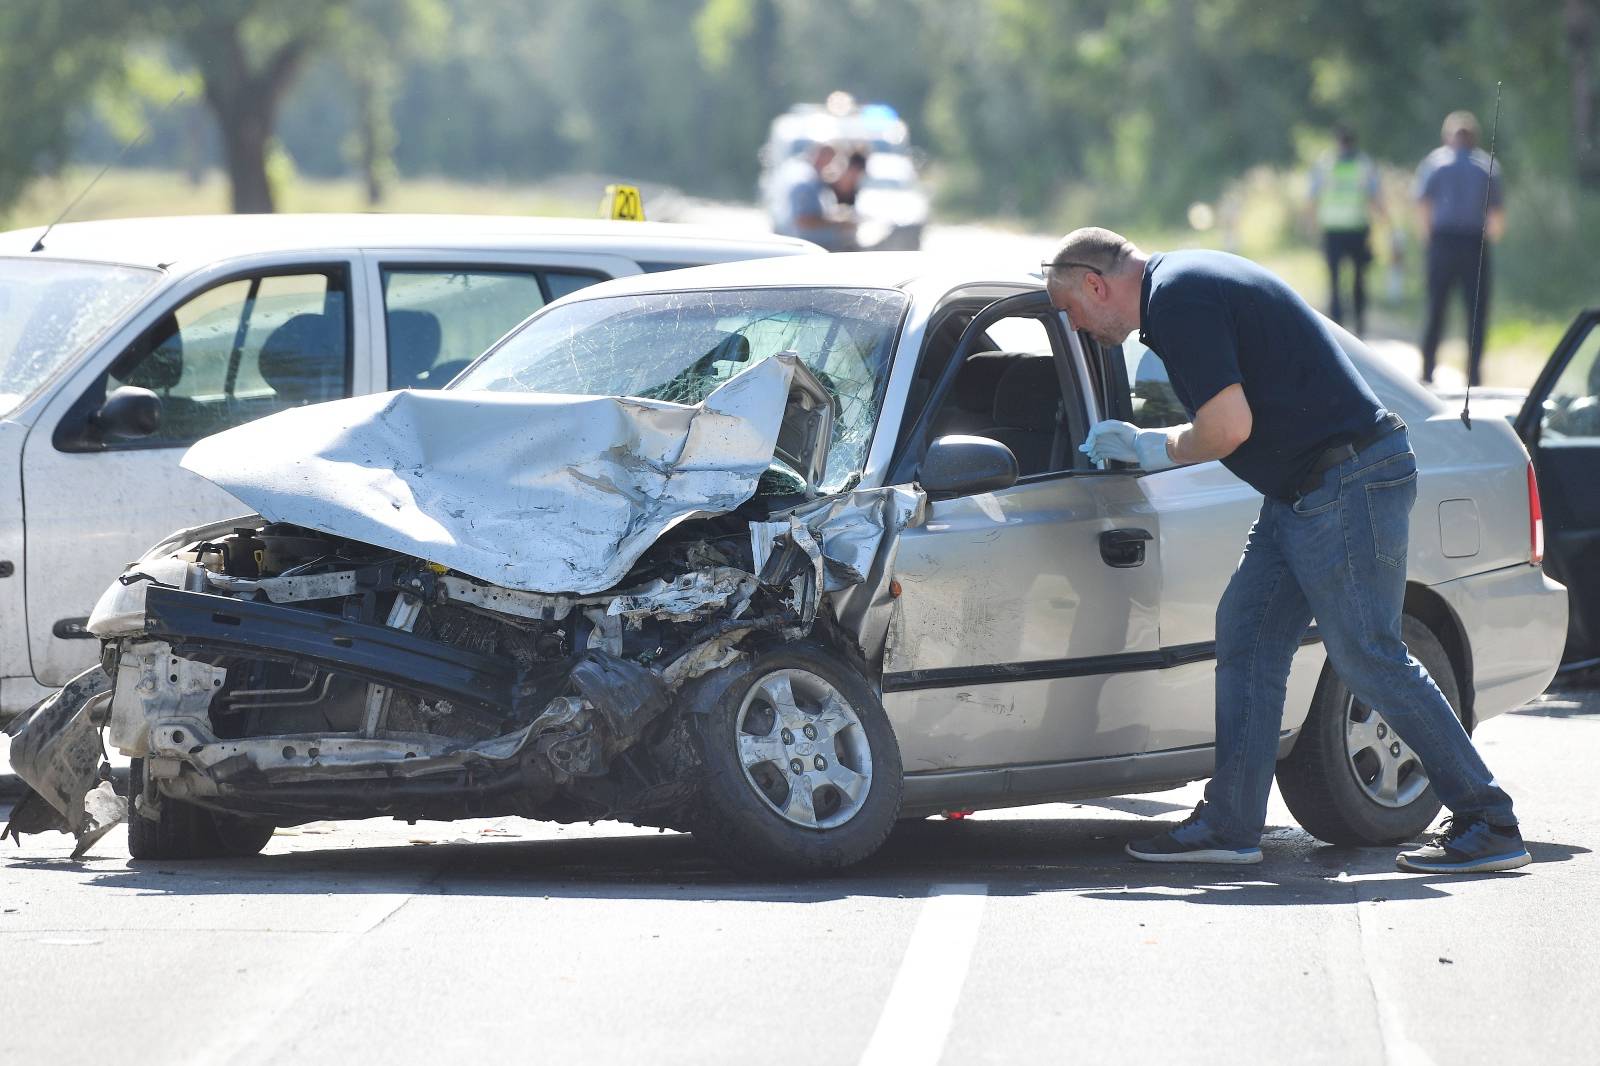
(1340, 452)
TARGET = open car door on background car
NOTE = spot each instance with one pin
(1560, 424)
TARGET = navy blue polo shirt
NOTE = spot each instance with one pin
(1217, 320)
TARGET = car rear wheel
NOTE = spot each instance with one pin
(801, 772)
(186, 831)
(1351, 778)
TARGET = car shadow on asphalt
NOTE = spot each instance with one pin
(1010, 857)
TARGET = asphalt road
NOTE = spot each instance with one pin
(1011, 937)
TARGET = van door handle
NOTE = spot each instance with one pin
(1123, 547)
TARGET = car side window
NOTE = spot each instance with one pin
(439, 319)
(1151, 398)
(1011, 392)
(561, 282)
(239, 351)
(1573, 407)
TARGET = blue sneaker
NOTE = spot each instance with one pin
(1192, 841)
(1468, 845)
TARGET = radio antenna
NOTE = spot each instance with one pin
(1479, 313)
(38, 245)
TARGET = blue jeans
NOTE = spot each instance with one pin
(1336, 554)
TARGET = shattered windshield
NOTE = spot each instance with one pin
(679, 346)
(50, 309)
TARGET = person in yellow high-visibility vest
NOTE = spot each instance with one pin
(1344, 197)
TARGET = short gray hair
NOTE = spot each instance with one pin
(1091, 248)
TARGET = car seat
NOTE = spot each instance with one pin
(159, 368)
(969, 406)
(414, 341)
(1027, 403)
(303, 359)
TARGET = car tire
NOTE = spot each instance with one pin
(747, 809)
(187, 831)
(1333, 790)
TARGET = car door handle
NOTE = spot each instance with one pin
(1123, 547)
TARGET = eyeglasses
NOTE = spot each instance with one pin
(1050, 265)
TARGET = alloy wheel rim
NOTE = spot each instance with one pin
(803, 749)
(1384, 765)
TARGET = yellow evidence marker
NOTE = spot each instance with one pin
(623, 202)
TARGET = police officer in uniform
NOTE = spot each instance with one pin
(1344, 195)
(1275, 398)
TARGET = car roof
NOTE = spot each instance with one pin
(187, 238)
(883, 270)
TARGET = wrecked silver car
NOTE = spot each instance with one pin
(774, 552)
(515, 600)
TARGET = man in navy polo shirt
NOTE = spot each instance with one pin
(1274, 397)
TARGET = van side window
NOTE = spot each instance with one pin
(1011, 393)
(439, 319)
(239, 351)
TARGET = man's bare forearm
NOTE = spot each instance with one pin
(1219, 427)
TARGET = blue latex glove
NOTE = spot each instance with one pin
(1127, 443)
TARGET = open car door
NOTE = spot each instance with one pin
(1560, 424)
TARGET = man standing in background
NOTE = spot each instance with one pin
(1344, 196)
(803, 202)
(1453, 185)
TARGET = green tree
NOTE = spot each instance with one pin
(382, 37)
(49, 72)
(248, 53)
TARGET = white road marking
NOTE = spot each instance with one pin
(921, 1006)
(254, 1035)
(1398, 1048)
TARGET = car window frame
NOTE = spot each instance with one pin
(1529, 423)
(1070, 369)
(71, 434)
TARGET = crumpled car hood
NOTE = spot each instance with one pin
(535, 492)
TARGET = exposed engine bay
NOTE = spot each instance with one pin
(284, 660)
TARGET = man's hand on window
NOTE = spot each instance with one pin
(1127, 443)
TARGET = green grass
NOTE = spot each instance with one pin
(131, 193)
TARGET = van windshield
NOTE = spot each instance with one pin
(50, 310)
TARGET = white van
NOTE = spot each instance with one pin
(123, 342)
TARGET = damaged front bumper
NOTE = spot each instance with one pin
(392, 687)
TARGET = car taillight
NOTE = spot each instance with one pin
(1535, 520)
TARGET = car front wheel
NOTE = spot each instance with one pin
(1351, 779)
(187, 831)
(801, 772)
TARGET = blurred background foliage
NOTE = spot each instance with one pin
(1049, 113)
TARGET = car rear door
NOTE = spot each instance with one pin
(1025, 611)
(1560, 424)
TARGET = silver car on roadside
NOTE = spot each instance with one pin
(778, 553)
